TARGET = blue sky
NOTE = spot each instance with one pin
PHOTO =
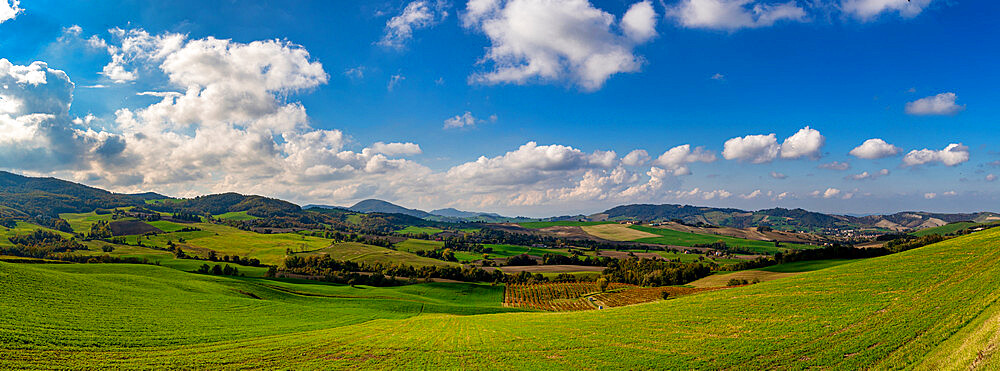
(330, 126)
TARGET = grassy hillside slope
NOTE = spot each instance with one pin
(930, 308)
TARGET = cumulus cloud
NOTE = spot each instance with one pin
(416, 15)
(777, 175)
(465, 120)
(734, 14)
(952, 155)
(806, 142)
(224, 121)
(391, 149)
(866, 10)
(530, 163)
(635, 158)
(557, 40)
(752, 195)
(941, 105)
(36, 130)
(836, 165)
(875, 148)
(639, 22)
(9, 9)
(867, 175)
(930, 195)
(757, 149)
(677, 159)
(991, 177)
(830, 193)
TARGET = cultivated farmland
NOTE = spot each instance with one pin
(934, 307)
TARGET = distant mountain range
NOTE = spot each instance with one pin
(45, 198)
(449, 214)
(787, 219)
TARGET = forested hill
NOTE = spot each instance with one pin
(231, 202)
(379, 206)
(786, 218)
(47, 197)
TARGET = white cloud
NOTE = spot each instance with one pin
(392, 149)
(417, 15)
(952, 155)
(635, 158)
(9, 9)
(836, 165)
(465, 120)
(777, 175)
(875, 148)
(950, 193)
(734, 14)
(677, 159)
(136, 47)
(225, 121)
(941, 104)
(395, 80)
(355, 73)
(752, 195)
(557, 40)
(530, 163)
(829, 193)
(867, 175)
(991, 177)
(639, 22)
(930, 195)
(753, 148)
(806, 142)
(758, 149)
(36, 130)
(718, 77)
(866, 10)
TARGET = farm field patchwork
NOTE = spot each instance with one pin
(359, 252)
(540, 225)
(932, 307)
(675, 238)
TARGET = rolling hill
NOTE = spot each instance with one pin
(934, 307)
(787, 219)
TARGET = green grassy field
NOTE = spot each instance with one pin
(418, 230)
(358, 252)
(414, 245)
(947, 228)
(539, 225)
(805, 266)
(225, 240)
(81, 222)
(934, 307)
(236, 216)
(677, 238)
(23, 228)
(166, 226)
